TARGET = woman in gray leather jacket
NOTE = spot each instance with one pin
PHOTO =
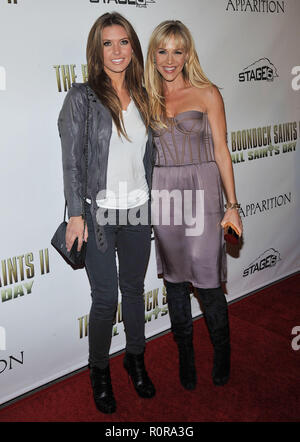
(117, 203)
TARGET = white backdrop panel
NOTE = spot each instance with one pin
(44, 305)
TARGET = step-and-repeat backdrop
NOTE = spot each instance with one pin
(249, 48)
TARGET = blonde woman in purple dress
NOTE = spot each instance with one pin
(193, 166)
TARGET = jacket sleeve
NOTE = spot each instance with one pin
(71, 127)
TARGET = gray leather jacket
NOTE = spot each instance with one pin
(71, 126)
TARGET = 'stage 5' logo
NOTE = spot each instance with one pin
(267, 259)
(138, 3)
(260, 70)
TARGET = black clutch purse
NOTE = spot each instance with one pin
(73, 257)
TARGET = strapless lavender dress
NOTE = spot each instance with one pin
(185, 161)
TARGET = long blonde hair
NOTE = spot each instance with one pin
(134, 76)
(192, 71)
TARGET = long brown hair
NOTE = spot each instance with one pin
(192, 71)
(134, 76)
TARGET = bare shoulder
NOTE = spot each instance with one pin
(213, 98)
(207, 97)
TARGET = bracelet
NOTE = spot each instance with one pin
(232, 206)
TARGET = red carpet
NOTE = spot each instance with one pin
(264, 384)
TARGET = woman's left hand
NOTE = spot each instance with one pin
(233, 216)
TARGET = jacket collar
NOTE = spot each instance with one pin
(96, 103)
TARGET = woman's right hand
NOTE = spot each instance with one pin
(74, 230)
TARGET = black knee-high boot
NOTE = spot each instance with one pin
(216, 317)
(179, 304)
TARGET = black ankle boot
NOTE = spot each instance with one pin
(187, 370)
(135, 366)
(102, 390)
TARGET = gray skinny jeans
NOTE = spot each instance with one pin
(132, 244)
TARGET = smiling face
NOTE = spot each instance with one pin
(170, 58)
(117, 50)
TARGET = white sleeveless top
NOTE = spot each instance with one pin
(126, 181)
